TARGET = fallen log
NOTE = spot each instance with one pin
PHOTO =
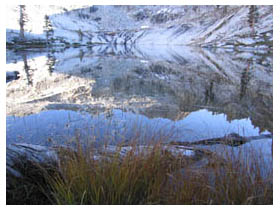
(232, 139)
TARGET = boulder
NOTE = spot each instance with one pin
(12, 75)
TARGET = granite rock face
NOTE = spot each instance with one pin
(222, 26)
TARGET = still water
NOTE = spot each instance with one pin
(113, 94)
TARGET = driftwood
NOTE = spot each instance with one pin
(196, 156)
(232, 139)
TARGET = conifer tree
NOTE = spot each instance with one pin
(48, 28)
(253, 17)
(22, 19)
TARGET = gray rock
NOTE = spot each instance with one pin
(12, 75)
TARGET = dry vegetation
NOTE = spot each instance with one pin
(139, 178)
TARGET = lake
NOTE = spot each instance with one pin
(114, 93)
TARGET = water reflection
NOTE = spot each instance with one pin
(116, 126)
(245, 78)
(50, 62)
(27, 70)
(168, 84)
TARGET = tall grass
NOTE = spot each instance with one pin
(140, 177)
(136, 178)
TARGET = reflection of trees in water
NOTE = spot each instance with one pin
(27, 69)
(81, 55)
(186, 99)
(245, 79)
(131, 85)
(51, 62)
(209, 94)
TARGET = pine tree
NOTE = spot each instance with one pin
(48, 28)
(225, 10)
(22, 19)
(80, 33)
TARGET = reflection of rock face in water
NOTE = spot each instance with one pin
(167, 85)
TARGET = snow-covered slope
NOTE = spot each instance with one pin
(230, 26)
